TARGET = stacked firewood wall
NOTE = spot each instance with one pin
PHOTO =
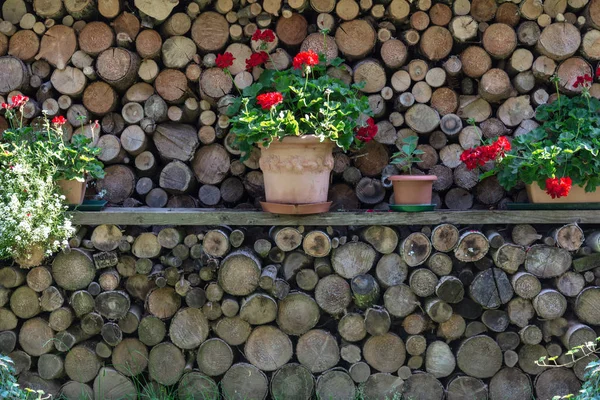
(145, 70)
(296, 312)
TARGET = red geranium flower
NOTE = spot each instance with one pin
(256, 59)
(368, 132)
(269, 100)
(16, 102)
(598, 71)
(19, 100)
(59, 120)
(224, 60)
(558, 187)
(308, 58)
(478, 156)
(266, 35)
(584, 80)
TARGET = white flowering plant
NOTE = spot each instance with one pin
(32, 208)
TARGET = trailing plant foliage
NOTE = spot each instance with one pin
(590, 390)
(10, 389)
(32, 158)
(302, 100)
(561, 152)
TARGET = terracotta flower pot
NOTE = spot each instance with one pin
(412, 189)
(33, 258)
(296, 170)
(577, 195)
(73, 190)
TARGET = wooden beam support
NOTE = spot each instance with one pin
(165, 216)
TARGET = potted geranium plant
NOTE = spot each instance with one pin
(558, 160)
(296, 117)
(410, 189)
(75, 159)
(33, 157)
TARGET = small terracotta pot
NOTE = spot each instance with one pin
(577, 195)
(73, 190)
(412, 189)
(296, 170)
(33, 258)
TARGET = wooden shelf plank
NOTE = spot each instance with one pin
(182, 216)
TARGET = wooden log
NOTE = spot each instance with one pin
(113, 385)
(233, 330)
(189, 328)
(400, 300)
(464, 386)
(491, 288)
(166, 363)
(385, 353)
(130, 357)
(391, 270)
(8, 341)
(214, 357)
(246, 381)
(570, 283)
(423, 282)
(36, 337)
(151, 331)
(546, 384)
(423, 384)
(479, 357)
(355, 38)
(559, 41)
(196, 383)
(526, 285)
(73, 270)
(450, 289)
(318, 350)
(57, 46)
(332, 294)
(297, 313)
(510, 383)
(268, 348)
(439, 360)
(509, 257)
(547, 262)
(585, 303)
(415, 249)
(239, 273)
(14, 74)
(499, 40)
(472, 246)
(353, 259)
(352, 327)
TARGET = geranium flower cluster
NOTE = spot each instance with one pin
(59, 120)
(368, 132)
(478, 156)
(306, 58)
(224, 60)
(266, 35)
(16, 102)
(558, 187)
(269, 100)
(256, 60)
(583, 81)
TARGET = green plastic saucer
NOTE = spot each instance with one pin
(412, 207)
(89, 205)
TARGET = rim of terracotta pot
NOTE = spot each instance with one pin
(412, 178)
(304, 139)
